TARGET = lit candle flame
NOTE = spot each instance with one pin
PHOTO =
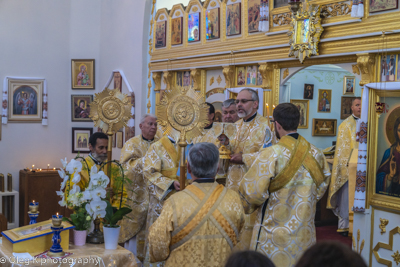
(33, 166)
(57, 214)
(33, 201)
(273, 106)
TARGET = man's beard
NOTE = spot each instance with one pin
(99, 157)
(243, 113)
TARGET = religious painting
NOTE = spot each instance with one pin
(80, 108)
(25, 100)
(303, 106)
(388, 68)
(80, 139)
(176, 31)
(218, 111)
(233, 19)
(117, 80)
(212, 24)
(251, 75)
(253, 15)
(308, 91)
(194, 27)
(82, 73)
(398, 67)
(382, 5)
(324, 100)
(345, 106)
(302, 31)
(388, 155)
(324, 127)
(186, 78)
(280, 3)
(179, 78)
(259, 77)
(161, 35)
(349, 85)
(241, 76)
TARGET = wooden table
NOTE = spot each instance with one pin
(87, 255)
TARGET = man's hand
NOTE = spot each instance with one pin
(223, 139)
(237, 158)
(177, 186)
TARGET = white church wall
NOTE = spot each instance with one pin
(39, 39)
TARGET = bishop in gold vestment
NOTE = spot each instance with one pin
(286, 181)
(252, 134)
(161, 164)
(132, 155)
(200, 225)
(338, 198)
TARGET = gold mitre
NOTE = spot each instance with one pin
(182, 109)
(110, 110)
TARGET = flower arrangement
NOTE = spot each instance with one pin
(91, 203)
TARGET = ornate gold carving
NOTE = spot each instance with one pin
(195, 75)
(358, 249)
(282, 19)
(285, 73)
(211, 81)
(386, 246)
(366, 63)
(382, 225)
(203, 87)
(148, 89)
(177, 13)
(215, 91)
(110, 110)
(157, 81)
(228, 72)
(194, 9)
(386, 204)
(167, 77)
(219, 79)
(335, 10)
(233, 1)
(148, 106)
(355, 68)
(396, 257)
(148, 67)
(182, 110)
(213, 4)
(161, 17)
(151, 25)
(299, 47)
(266, 71)
(150, 46)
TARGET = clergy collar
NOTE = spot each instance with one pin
(204, 180)
(95, 160)
(294, 135)
(251, 118)
(209, 126)
(147, 139)
(356, 118)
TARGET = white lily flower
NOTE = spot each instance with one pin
(62, 202)
(93, 170)
(100, 179)
(99, 208)
(63, 183)
(74, 166)
(87, 194)
(62, 174)
(76, 178)
(98, 193)
(59, 193)
(89, 209)
(64, 162)
(75, 189)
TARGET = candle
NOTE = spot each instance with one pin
(48, 166)
(267, 111)
(33, 166)
(54, 169)
(40, 169)
(56, 220)
(34, 207)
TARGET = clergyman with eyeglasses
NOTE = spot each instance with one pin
(252, 134)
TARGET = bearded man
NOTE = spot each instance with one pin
(253, 133)
(133, 226)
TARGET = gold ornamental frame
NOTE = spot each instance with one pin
(182, 114)
(305, 32)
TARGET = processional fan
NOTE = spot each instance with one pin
(183, 114)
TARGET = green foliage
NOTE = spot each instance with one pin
(80, 218)
(114, 215)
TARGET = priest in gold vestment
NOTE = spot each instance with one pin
(284, 184)
(161, 172)
(98, 144)
(211, 131)
(133, 226)
(338, 198)
(200, 225)
(253, 133)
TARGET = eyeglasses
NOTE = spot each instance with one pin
(243, 101)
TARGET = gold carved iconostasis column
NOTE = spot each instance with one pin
(270, 73)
